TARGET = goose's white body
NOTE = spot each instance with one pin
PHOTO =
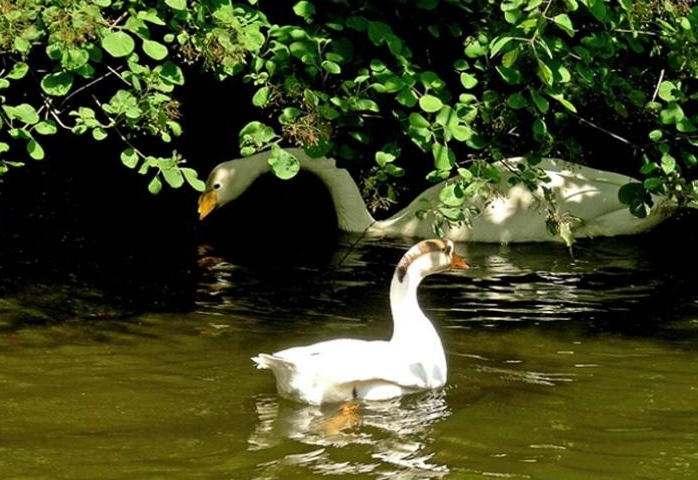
(346, 369)
(513, 215)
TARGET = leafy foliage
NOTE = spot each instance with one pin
(468, 82)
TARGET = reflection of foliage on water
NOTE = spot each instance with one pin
(398, 433)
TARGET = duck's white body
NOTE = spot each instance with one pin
(346, 369)
(513, 215)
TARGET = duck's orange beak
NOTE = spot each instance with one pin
(208, 201)
(457, 263)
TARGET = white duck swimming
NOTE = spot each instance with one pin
(513, 215)
(346, 369)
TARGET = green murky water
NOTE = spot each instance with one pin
(560, 368)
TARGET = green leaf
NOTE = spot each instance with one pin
(656, 135)
(685, 125)
(129, 157)
(545, 73)
(465, 174)
(541, 103)
(444, 158)
(46, 127)
(394, 170)
(689, 159)
(155, 185)
(57, 84)
(509, 58)
(151, 15)
(255, 133)
(564, 102)
(475, 49)
(631, 193)
(451, 195)
(19, 70)
(379, 32)
(366, 104)
(23, 112)
(498, 44)
(119, 44)
(418, 121)
(331, 67)
(468, 80)
(22, 45)
(671, 114)
(431, 79)
(155, 50)
(99, 134)
(384, 158)
(283, 164)
(653, 184)
(462, 133)
(540, 129)
(406, 97)
(304, 9)
(597, 8)
(74, 58)
(171, 73)
(173, 176)
(517, 101)
(35, 150)
(563, 21)
(668, 163)
(259, 99)
(666, 91)
(177, 4)
(430, 103)
(192, 178)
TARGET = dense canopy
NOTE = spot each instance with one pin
(439, 87)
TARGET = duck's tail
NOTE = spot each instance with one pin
(263, 360)
(274, 363)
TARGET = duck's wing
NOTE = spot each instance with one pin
(352, 361)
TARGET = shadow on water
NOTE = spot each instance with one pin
(634, 287)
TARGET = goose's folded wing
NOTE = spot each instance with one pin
(348, 360)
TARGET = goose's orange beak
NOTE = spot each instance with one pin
(457, 263)
(208, 201)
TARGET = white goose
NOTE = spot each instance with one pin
(512, 216)
(346, 369)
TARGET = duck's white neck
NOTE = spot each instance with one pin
(352, 215)
(410, 325)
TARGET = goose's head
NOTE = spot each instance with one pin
(428, 257)
(225, 183)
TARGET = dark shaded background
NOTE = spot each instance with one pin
(80, 214)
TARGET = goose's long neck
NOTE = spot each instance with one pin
(352, 215)
(410, 325)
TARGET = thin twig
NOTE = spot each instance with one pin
(659, 82)
(54, 114)
(88, 85)
(601, 129)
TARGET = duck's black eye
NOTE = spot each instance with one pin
(216, 186)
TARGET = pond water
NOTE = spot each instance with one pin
(561, 366)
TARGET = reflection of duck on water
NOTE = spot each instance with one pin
(587, 194)
(397, 431)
